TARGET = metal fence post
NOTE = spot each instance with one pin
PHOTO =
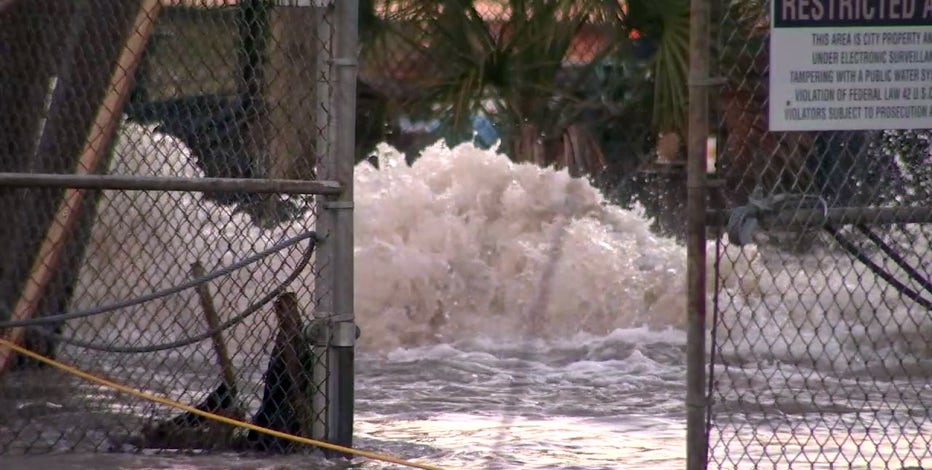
(699, 80)
(324, 225)
(343, 130)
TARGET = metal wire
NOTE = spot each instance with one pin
(896, 257)
(877, 269)
(102, 309)
(246, 313)
(713, 337)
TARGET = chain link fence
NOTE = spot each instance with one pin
(166, 166)
(822, 321)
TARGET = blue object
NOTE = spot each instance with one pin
(484, 133)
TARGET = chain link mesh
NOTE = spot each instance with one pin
(221, 90)
(822, 329)
(227, 89)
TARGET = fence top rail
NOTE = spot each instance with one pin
(836, 216)
(163, 183)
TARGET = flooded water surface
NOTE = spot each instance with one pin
(510, 317)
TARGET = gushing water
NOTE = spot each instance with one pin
(511, 317)
(463, 243)
(494, 297)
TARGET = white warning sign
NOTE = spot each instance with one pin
(850, 65)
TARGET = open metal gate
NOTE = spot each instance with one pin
(176, 196)
(817, 350)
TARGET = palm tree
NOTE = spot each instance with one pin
(666, 23)
(524, 65)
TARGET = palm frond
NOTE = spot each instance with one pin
(516, 63)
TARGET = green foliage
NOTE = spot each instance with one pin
(667, 22)
(514, 69)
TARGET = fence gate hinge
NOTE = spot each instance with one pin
(334, 330)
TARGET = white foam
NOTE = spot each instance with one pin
(462, 244)
(822, 308)
(465, 245)
(147, 240)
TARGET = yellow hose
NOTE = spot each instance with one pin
(222, 419)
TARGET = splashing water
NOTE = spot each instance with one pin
(484, 289)
(507, 310)
(822, 309)
(464, 242)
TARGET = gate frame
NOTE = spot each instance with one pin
(704, 221)
(335, 222)
(334, 186)
(697, 436)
